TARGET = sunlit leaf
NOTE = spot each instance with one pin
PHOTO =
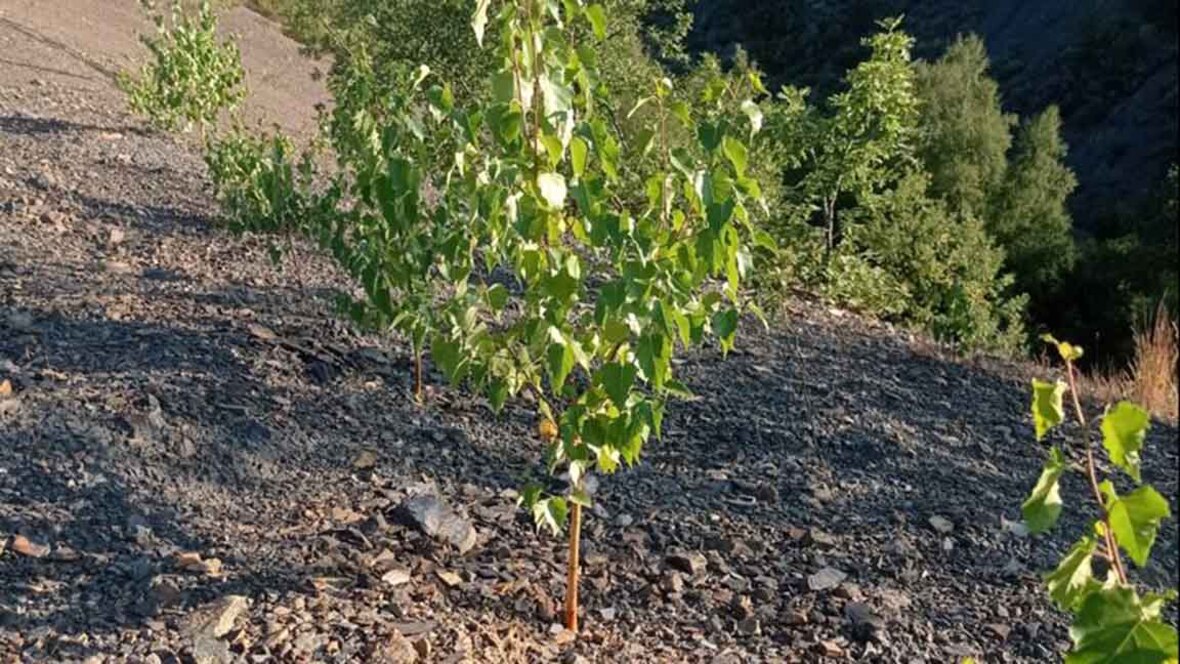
(1135, 519)
(1115, 625)
(479, 19)
(1124, 428)
(1074, 577)
(1043, 506)
(1047, 408)
(552, 188)
(597, 17)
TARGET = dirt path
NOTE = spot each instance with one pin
(176, 393)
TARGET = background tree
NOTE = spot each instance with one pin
(1028, 216)
(963, 135)
(867, 135)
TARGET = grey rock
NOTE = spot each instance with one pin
(941, 524)
(826, 579)
(749, 626)
(397, 650)
(396, 577)
(209, 650)
(428, 513)
(215, 620)
(672, 583)
(1000, 630)
(20, 321)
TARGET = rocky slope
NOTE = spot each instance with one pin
(198, 461)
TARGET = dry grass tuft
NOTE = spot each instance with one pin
(1151, 380)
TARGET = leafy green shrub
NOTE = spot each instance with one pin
(858, 282)
(864, 141)
(193, 75)
(889, 246)
(943, 269)
(585, 288)
(1112, 621)
(396, 237)
(260, 182)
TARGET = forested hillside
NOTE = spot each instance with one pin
(1109, 66)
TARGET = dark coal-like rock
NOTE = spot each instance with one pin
(691, 562)
(863, 623)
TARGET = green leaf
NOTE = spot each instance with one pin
(479, 19)
(506, 122)
(1044, 504)
(497, 297)
(558, 97)
(580, 497)
(1115, 626)
(737, 153)
(578, 151)
(529, 495)
(1066, 350)
(1124, 428)
(597, 16)
(725, 324)
(560, 361)
(617, 380)
(551, 512)
(497, 394)
(553, 148)
(1047, 408)
(1074, 578)
(1135, 519)
(608, 458)
(654, 354)
(709, 135)
(504, 86)
(447, 356)
(552, 188)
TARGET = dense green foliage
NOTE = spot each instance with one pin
(964, 135)
(1109, 67)
(1028, 215)
(892, 128)
(1017, 185)
(826, 161)
(892, 243)
(260, 182)
(193, 75)
(1112, 622)
(942, 268)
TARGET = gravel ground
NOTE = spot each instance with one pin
(199, 462)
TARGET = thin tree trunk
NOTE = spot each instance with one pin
(571, 590)
(417, 374)
(830, 219)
